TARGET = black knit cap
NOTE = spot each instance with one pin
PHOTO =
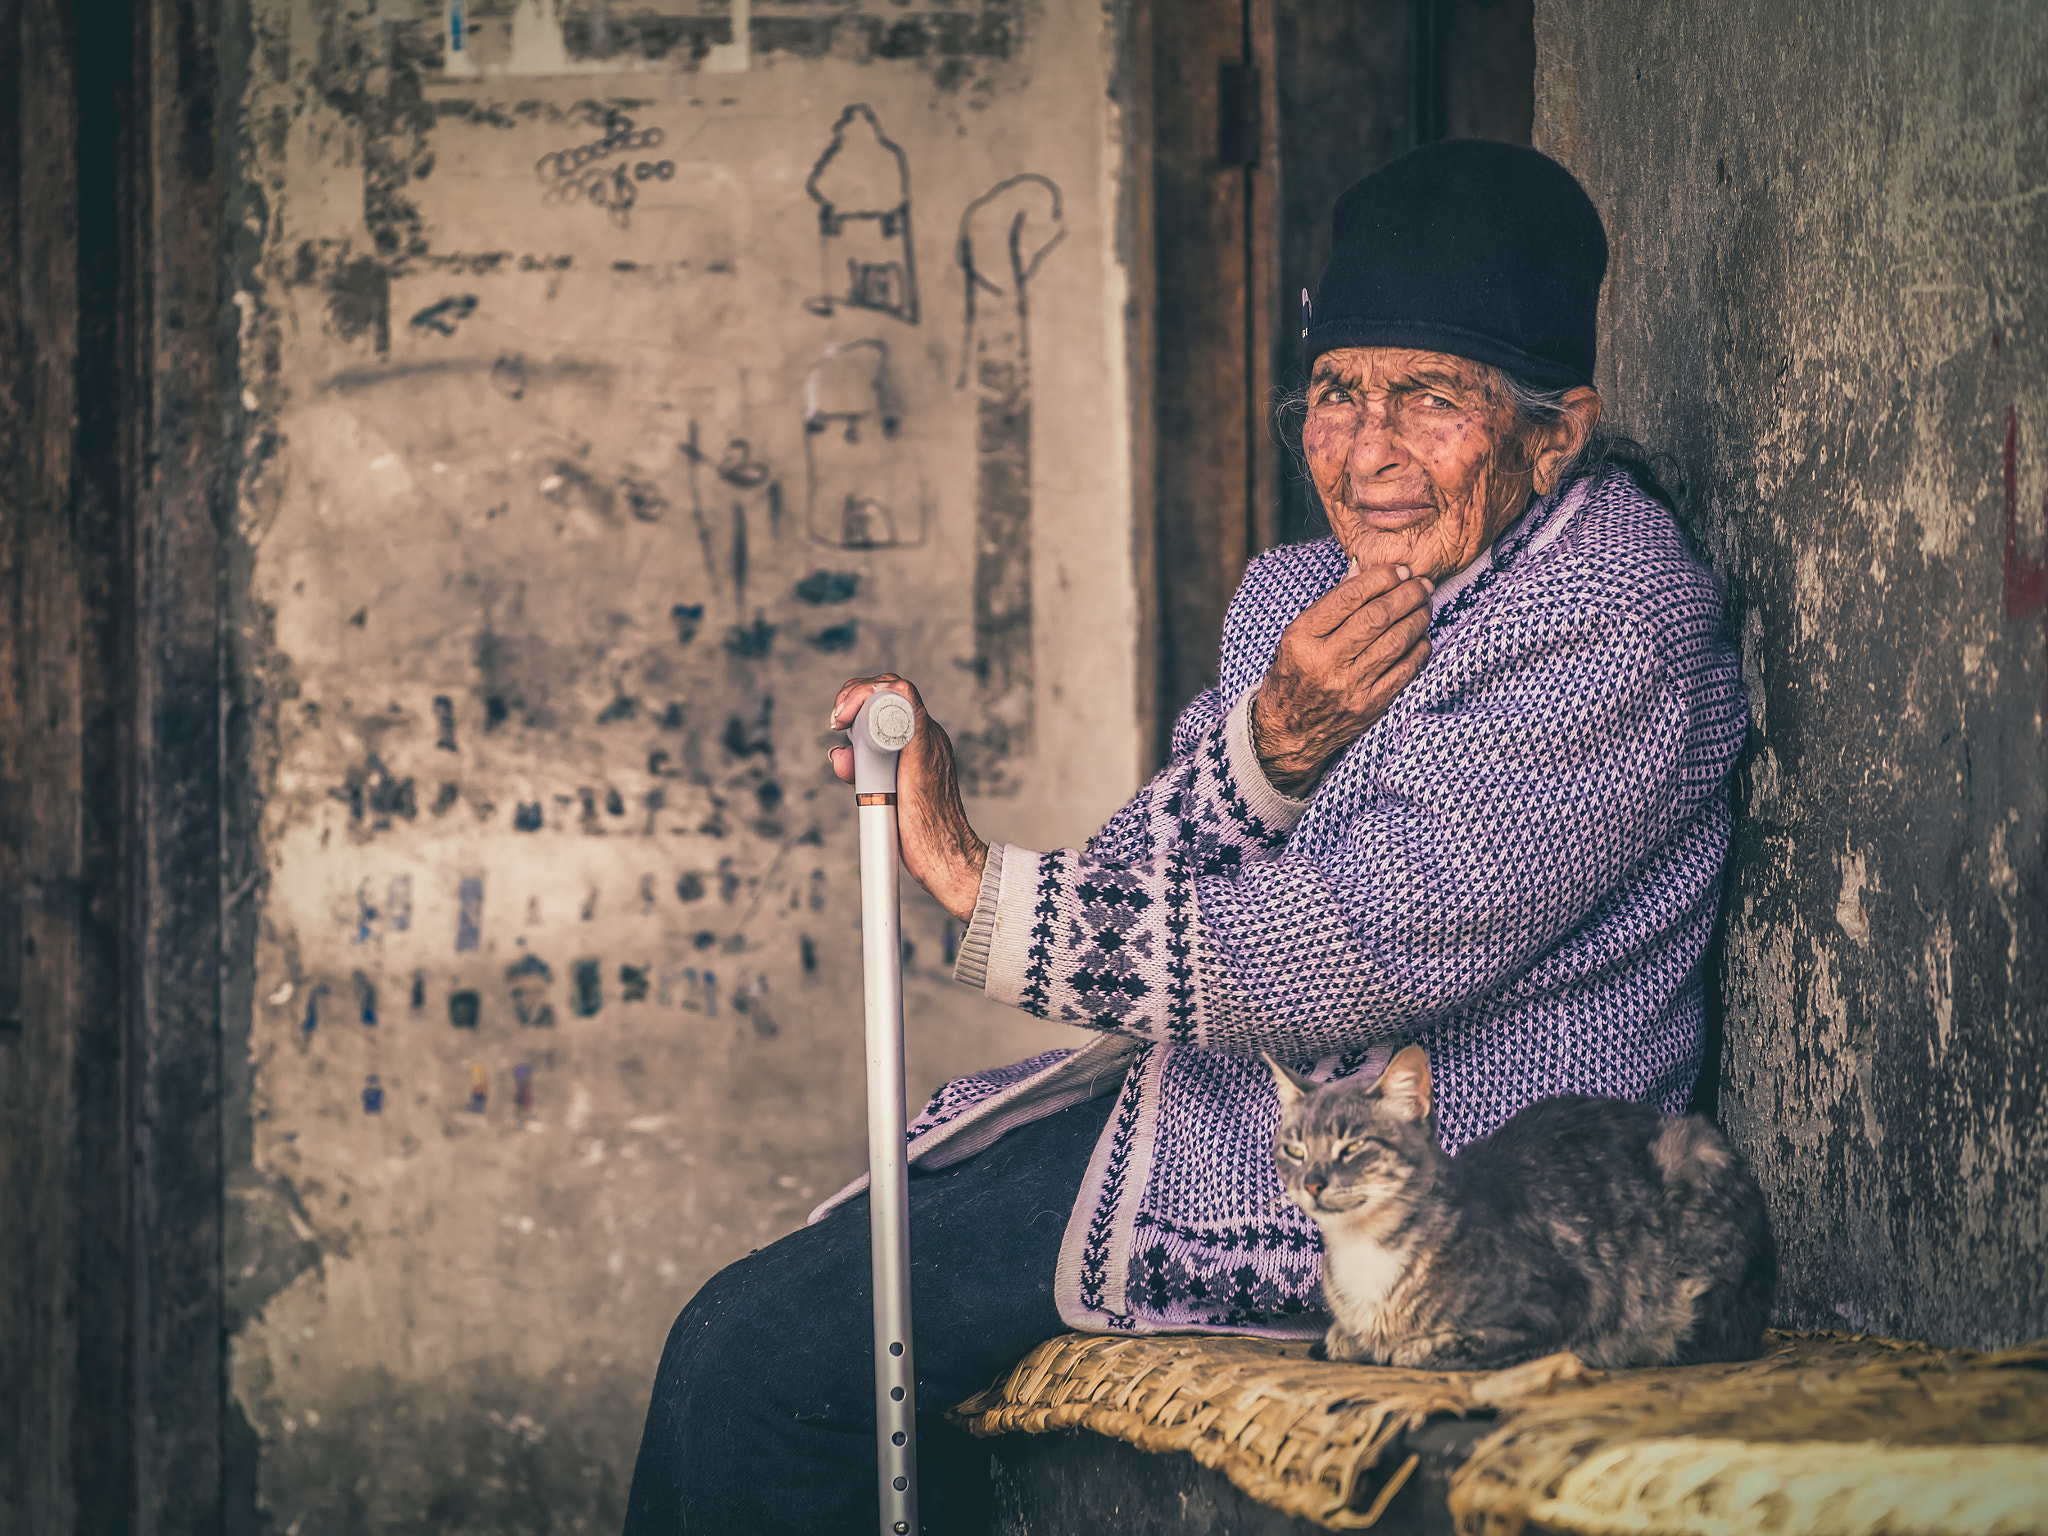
(1482, 250)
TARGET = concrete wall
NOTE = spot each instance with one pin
(617, 384)
(1830, 232)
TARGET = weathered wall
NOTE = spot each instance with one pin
(1830, 232)
(616, 386)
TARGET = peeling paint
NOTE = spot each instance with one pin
(1830, 318)
(1849, 905)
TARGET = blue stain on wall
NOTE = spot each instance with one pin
(529, 977)
(419, 990)
(688, 617)
(366, 997)
(373, 1095)
(822, 587)
(464, 1007)
(528, 817)
(751, 642)
(522, 1086)
(366, 913)
(632, 983)
(469, 921)
(589, 981)
(700, 991)
(311, 1021)
(398, 903)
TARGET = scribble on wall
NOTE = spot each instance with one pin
(1004, 235)
(445, 315)
(865, 486)
(742, 470)
(861, 185)
(603, 173)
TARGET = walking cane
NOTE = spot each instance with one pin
(881, 730)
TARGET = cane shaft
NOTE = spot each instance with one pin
(888, 1171)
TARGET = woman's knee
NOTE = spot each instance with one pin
(740, 1332)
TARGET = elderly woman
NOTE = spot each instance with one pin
(1463, 783)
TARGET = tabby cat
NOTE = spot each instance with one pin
(1592, 1225)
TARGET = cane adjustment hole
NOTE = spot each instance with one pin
(900, 1484)
(895, 1349)
(896, 1394)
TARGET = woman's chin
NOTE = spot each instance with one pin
(1423, 554)
(1370, 547)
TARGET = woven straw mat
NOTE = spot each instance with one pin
(1823, 1435)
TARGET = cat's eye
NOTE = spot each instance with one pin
(1295, 1150)
(1353, 1148)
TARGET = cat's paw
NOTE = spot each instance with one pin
(1428, 1352)
(1483, 1349)
(1341, 1344)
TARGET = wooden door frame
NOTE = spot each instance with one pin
(115, 852)
(1214, 186)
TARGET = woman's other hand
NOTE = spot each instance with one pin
(939, 848)
(1339, 666)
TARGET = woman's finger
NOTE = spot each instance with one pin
(1398, 601)
(1402, 673)
(1343, 602)
(841, 759)
(854, 692)
(1377, 651)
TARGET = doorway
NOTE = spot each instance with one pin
(1264, 112)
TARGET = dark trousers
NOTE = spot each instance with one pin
(763, 1414)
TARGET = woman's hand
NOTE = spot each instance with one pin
(939, 848)
(1339, 666)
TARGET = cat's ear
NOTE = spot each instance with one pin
(1292, 1085)
(1405, 1084)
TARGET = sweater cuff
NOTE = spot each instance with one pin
(1278, 811)
(970, 966)
(996, 950)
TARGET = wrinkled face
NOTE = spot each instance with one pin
(1347, 1150)
(1417, 460)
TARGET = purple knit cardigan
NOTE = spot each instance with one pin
(1517, 867)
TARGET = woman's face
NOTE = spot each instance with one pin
(1417, 459)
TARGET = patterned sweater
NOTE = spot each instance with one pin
(1518, 867)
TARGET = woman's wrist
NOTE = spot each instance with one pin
(975, 863)
(1288, 771)
(947, 859)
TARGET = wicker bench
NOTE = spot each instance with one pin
(1825, 1434)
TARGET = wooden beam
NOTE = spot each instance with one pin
(112, 478)
(1215, 175)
